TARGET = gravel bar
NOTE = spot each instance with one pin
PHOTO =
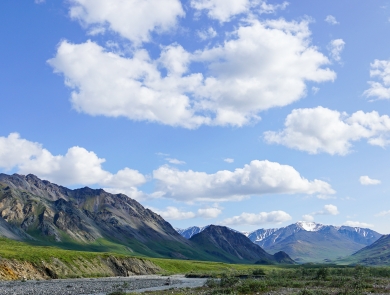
(98, 286)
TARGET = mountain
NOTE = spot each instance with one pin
(376, 254)
(309, 241)
(313, 242)
(189, 232)
(41, 212)
(234, 247)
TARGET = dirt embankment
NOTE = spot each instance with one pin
(79, 268)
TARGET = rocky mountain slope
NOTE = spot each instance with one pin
(234, 247)
(42, 212)
(309, 241)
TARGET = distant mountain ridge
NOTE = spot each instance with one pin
(310, 241)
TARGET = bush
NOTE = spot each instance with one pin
(258, 272)
(228, 282)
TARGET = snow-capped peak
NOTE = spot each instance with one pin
(309, 226)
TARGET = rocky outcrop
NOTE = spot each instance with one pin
(56, 268)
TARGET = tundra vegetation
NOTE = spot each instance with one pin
(300, 280)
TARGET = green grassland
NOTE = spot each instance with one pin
(10, 249)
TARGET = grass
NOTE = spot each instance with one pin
(298, 281)
(10, 249)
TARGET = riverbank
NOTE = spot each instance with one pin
(99, 286)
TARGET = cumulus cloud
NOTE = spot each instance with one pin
(225, 10)
(173, 213)
(380, 89)
(335, 48)
(320, 129)
(365, 180)
(257, 178)
(229, 160)
(221, 10)
(209, 212)
(258, 219)
(77, 167)
(358, 224)
(244, 75)
(330, 19)
(327, 210)
(134, 20)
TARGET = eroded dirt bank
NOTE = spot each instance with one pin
(56, 268)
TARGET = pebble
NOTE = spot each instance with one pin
(98, 286)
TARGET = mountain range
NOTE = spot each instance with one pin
(39, 212)
(308, 241)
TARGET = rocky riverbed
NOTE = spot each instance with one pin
(99, 286)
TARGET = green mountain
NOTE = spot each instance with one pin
(234, 247)
(44, 213)
(376, 254)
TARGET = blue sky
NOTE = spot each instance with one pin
(245, 113)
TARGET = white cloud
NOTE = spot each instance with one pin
(256, 178)
(271, 8)
(175, 161)
(245, 75)
(39, 1)
(258, 219)
(229, 160)
(335, 48)
(108, 84)
(248, 72)
(315, 90)
(132, 19)
(209, 212)
(173, 213)
(207, 34)
(221, 10)
(358, 224)
(330, 19)
(323, 130)
(225, 10)
(77, 167)
(327, 210)
(365, 180)
(379, 89)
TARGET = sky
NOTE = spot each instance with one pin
(245, 113)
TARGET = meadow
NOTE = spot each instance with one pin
(308, 279)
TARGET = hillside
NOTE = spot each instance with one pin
(234, 247)
(374, 255)
(41, 212)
